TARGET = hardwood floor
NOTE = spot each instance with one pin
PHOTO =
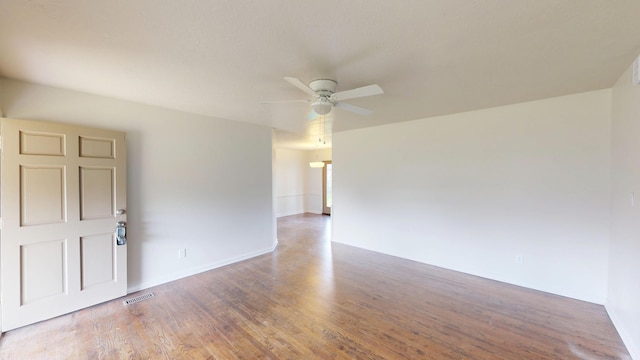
(312, 299)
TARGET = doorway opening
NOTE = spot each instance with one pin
(327, 198)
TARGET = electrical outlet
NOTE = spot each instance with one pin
(182, 253)
(519, 259)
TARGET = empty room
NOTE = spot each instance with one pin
(360, 179)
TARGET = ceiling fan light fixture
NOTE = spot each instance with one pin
(322, 106)
(325, 97)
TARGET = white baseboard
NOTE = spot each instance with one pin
(200, 269)
(626, 338)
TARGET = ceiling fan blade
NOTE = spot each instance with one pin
(368, 90)
(285, 101)
(300, 85)
(354, 109)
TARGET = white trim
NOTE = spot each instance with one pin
(626, 338)
(200, 269)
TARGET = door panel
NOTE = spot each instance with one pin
(60, 188)
(97, 190)
(41, 144)
(42, 199)
(96, 258)
(43, 270)
(97, 148)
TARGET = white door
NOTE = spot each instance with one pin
(62, 190)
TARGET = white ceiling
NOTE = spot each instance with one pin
(222, 58)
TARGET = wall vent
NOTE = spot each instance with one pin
(139, 298)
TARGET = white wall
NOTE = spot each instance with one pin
(194, 182)
(623, 302)
(290, 181)
(477, 191)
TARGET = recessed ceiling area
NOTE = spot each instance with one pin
(223, 58)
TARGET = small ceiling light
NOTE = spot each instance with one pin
(317, 163)
(322, 106)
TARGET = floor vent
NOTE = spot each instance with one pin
(137, 299)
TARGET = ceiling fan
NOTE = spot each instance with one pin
(325, 96)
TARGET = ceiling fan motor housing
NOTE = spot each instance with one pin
(323, 87)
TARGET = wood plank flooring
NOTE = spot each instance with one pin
(312, 299)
